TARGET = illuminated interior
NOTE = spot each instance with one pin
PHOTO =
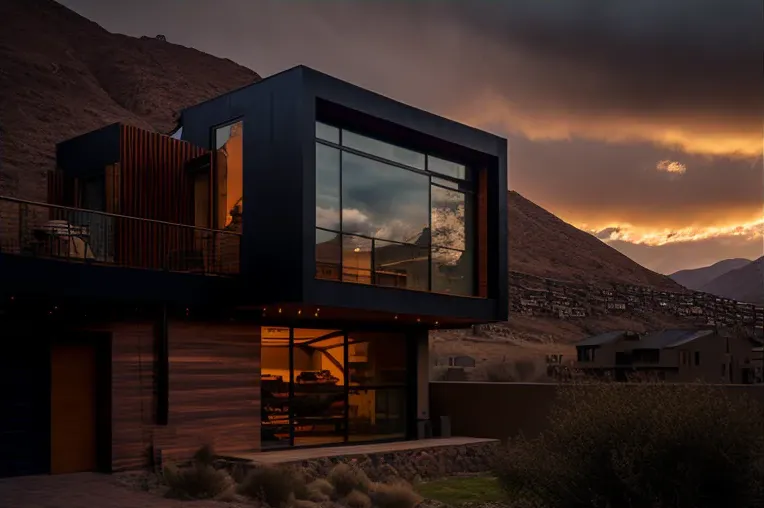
(229, 163)
(313, 395)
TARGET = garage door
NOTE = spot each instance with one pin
(24, 409)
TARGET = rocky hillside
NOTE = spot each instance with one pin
(62, 75)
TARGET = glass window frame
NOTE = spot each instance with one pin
(214, 206)
(405, 388)
(466, 186)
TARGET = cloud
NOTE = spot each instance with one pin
(684, 73)
(750, 231)
(671, 167)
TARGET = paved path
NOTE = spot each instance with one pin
(83, 490)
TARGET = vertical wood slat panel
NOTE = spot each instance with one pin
(154, 185)
(214, 391)
(482, 212)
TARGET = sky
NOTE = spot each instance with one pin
(639, 121)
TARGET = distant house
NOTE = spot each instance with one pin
(672, 355)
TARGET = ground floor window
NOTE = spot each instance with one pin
(331, 386)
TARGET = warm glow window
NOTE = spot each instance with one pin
(229, 171)
(323, 387)
(390, 216)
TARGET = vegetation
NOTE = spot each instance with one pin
(459, 490)
(281, 487)
(643, 445)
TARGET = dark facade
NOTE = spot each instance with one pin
(197, 282)
(279, 118)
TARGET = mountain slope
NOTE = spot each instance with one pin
(544, 245)
(699, 277)
(745, 284)
(62, 75)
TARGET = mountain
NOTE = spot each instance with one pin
(697, 278)
(745, 284)
(544, 245)
(62, 75)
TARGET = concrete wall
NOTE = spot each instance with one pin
(503, 410)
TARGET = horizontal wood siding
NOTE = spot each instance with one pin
(132, 394)
(214, 391)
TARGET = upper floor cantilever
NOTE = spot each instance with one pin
(342, 199)
(347, 198)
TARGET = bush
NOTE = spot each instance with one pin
(204, 455)
(346, 478)
(397, 495)
(198, 481)
(645, 445)
(275, 486)
(357, 499)
(320, 490)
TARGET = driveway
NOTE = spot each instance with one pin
(83, 490)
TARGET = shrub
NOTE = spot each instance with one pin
(197, 481)
(320, 490)
(645, 445)
(275, 486)
(345, 478)
(204, 455)
(500, 372)
(357, 499)
(398, 495)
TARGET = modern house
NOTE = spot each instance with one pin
(706, 355)
(264, 277)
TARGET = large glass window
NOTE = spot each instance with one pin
(331, 386)
(402, 218)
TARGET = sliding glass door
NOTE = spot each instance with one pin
(324, 387)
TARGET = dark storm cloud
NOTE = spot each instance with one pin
(690, 61)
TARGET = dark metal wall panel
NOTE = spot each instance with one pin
(25, 406)
(272, 242)
(279, 186)
(89, 153)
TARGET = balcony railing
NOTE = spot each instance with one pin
(68, 234)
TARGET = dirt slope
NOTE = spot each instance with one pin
(62, 75)
(542, 244)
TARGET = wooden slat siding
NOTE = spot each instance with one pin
(154, 185)
(214, 389)
(482, 213)
(132, 393)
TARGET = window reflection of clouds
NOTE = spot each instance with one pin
(327, 187)
(448, 218)
(383, 150)
(383, 201)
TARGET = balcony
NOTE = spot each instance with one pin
(73, 235)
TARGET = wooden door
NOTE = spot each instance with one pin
(73, 408)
